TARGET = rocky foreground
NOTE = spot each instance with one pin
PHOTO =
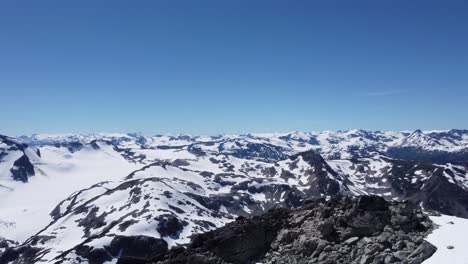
(361, 230)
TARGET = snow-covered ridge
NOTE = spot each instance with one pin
(76, 186)
(329, 143)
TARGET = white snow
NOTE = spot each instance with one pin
(448, 234)
(29, 205)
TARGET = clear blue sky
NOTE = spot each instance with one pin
(208, 67)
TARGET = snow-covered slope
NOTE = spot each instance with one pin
(450, 240)
(16, 160)
(59, 172)
(68, 197)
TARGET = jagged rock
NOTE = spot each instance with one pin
(287, 236)
(351, 240)
(326, 228)
(366, 259)
(9, 255)
(18, 255)
(401, 255)
(22, 169)
(170, 225)
(299, 236)
(421, 253)
(373, 248)
(389, 259)
(137, 246)
(93, 255)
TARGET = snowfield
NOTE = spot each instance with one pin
(452, 232)
(60, 174)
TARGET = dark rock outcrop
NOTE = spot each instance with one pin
(319, 181)
(264, 152)
(22, 169)
(366, 229)
(137, 246)
(170, 225)
(21, 254)
(443, 196)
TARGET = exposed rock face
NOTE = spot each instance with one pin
(170, 225)
(362, 230)
(139, 246)
(5, 244)
(22, 169)
(320, 173)
(22, 254)
(443, 196)
(264, 152)
(17, 158)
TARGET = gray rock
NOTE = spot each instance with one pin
(363, 241)
(418, 239)
(373, 248)
(306, 246)
(386, 238)
(326, 228)
(379, 259)
(328, 248)
(287, 236)
(366, 260)
(400, 245)
(341, 230)
(321, 245)
(351, 240)
(389, 259)
(401, 255)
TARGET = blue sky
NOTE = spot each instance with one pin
(208, 67)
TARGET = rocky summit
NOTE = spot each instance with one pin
(364, 230)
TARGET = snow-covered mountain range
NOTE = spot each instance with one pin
(73, 198)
